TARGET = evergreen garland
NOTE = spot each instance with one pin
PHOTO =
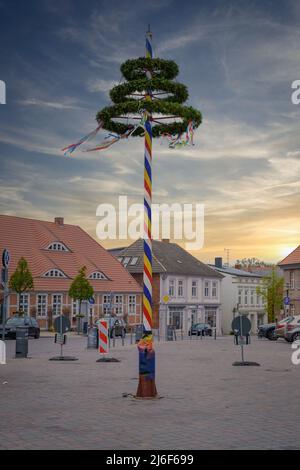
(126, 102)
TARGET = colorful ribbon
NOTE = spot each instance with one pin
(186, 138)
(70, 149)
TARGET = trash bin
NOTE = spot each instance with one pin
(93, 338)
(21, 341)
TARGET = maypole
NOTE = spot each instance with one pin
(148, 103)
(147, 387)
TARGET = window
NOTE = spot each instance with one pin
(240, 297)
(54, 273)
(106, 304)
(252, 297)
(292, 310)
(57, 246)
(214, 289)
(42, 305)
(292, 279)
(132, 304)
(180, 288)
(24, 303)
(119, 304)
(206, 289)
(246, 297)
(97, 275)
(120, 258)
(134, 261)
(211, 317)
(175, 317)
(56, 304)
(194, 289)
(171, 287)
(126, 261)
(75, 307)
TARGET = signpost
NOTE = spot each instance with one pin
(4, 280)
(241, 326)
(61, 326)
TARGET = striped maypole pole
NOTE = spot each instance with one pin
(147, 274)
(146, 387)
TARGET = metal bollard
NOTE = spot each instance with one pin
(215, 333)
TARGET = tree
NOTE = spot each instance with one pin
(21, 280)
(80, 288)
(272, 292)
(249, 262)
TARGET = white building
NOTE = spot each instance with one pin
(239, 296)
(185, 290)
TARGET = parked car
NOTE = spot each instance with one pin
(291, 329)
(281, 326)
(116, 326)
(270, 330)
(267, 331)
(13, 322)
(200, 329)
(293, 334)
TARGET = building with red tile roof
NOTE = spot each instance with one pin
(55, 252)
(291, 269)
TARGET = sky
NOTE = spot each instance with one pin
(60, 58)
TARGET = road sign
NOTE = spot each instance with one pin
(5, 258)
(286, 301)
(60, 339)
(91, 300)
(241, 325)
(241, 340)
(62, 324)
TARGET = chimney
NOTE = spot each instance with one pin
(165, 240)
(59, 221)
(218, 262)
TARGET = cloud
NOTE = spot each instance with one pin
(47, 104)
(100, 85)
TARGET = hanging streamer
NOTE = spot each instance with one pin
(70, 149)
(186, 138)
(175, 141)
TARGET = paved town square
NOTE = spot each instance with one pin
(205, 402)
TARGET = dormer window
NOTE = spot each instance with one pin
(97, 275)
(54, 273)
(57, 246)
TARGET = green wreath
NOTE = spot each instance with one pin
(126, 104)
(134, 69)
(124, 92)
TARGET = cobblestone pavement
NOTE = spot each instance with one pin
(207, 403)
